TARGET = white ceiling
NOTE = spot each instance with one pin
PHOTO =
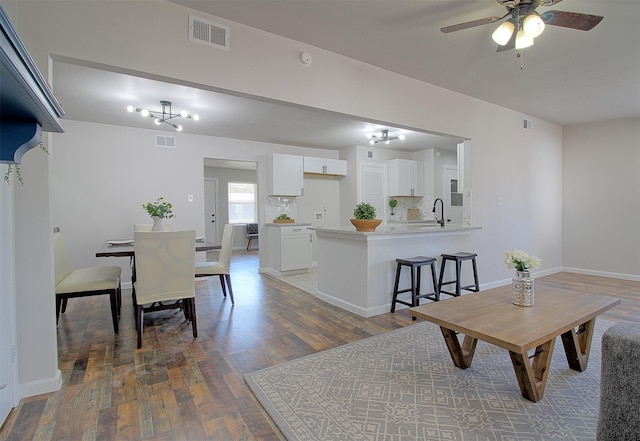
(567, 77)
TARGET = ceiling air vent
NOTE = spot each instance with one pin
(208, 33)
(167, 142)
(527, 124)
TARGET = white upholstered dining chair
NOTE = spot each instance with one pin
(222, 267)
(83, 282)
(132, 263)
(165, 263)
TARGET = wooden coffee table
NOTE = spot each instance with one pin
(490, 316)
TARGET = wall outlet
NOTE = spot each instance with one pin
(189, 198)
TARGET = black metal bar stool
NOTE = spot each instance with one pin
(458, 258)
(415, 264)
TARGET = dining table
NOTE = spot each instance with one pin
(126, 248)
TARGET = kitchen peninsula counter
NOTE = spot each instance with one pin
(399, 228)
(356, 269)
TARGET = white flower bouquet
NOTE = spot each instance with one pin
(520, 260)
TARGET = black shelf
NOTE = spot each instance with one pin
(27, 105)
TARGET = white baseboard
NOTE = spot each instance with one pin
(362, 312)
(276, 273)
(40, 386)
(632, 277)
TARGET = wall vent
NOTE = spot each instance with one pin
(208, 33)
(167, 142)
(370, 154)
(527, 124)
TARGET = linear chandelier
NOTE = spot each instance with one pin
(165, 115)
(383, 136)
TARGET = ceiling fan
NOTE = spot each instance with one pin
(524, 23)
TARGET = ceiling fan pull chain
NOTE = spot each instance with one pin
(520, 55)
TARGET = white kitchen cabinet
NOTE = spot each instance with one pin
(325, 166)
(284, 175)
(289, 247)
(405, 178)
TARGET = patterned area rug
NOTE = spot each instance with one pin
(402, 385)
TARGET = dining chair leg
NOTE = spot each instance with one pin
(188, 310)
(192, 313)
(113, 297)
(139, 315)
(58, 307)
(224, 288)
(228, 279)
(119, 298)
(64, 304)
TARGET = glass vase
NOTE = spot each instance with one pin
(523, 289)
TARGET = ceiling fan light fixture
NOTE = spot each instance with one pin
(523, 40)
(533, 25)
(503, 33)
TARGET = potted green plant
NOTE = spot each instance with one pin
(365, 217)
(158, 210)
(283, 219)
(393, 203)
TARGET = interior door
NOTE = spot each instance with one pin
(210, 209)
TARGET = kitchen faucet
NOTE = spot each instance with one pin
(441, 221)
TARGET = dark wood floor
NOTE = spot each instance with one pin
(180, 388)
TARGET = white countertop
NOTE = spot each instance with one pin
(399, 229)
(288, 224)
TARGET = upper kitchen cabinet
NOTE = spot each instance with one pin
(405, 178)
(284, 175)
(325, 166)
(27, 106)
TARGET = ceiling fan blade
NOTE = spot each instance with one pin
(573, 20)
(470, 24)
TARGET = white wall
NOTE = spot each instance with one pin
(101, 173)
(601, 169)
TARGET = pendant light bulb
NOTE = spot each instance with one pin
(144, 112)
(523, 40)
(533, 25)
(503, 33)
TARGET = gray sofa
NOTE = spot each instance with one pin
(619, 417)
